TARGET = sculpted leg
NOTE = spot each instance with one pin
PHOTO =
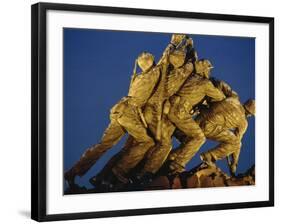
(229, 145)
(155, 160)
(107, 170)
(111, 136)
(134, 155)
(195, 138)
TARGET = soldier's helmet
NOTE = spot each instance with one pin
(145, 61)
(250, 106)
(203, 67)
(177, 58)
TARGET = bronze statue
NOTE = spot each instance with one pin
(173, 98)
(178, 78)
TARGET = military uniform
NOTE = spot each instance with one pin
(194, 90)
(124, 118)
(226, 123)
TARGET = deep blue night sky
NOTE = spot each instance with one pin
(97, 68)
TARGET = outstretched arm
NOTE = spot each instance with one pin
(177, 41)
(214, 93)
(224, 87)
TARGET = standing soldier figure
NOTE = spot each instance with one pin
(225, 122)
(125, 116)
(181, 61)
(194, 90)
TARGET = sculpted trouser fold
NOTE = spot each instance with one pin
(158, 155)
(195, 137)
(132, 157)
(229, 142)
(121, 122)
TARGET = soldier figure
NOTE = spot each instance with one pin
(225, 122)
(125, 116)
(181, 61)
(194, 90)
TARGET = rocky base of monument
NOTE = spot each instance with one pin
(199, 177)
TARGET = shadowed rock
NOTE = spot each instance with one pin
(201, 176)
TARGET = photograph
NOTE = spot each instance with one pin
(155, 111)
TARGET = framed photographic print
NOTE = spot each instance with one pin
(138, 111)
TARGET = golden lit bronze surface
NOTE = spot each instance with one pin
(175, 97)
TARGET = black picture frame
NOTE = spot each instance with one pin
(39, 125)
